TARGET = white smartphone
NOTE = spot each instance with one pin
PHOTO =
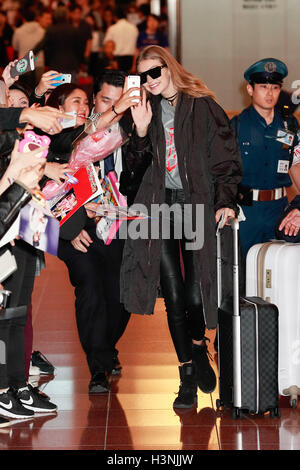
(66, 78)
(134, 81)
(26, 64)
(8, 265)
(65, 123)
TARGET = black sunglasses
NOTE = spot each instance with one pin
(154, 73)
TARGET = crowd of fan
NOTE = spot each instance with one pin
(79, 37)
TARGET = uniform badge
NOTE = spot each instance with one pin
(283, 166)
(270, 67)
(285, 137)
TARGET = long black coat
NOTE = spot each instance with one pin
(210, 169)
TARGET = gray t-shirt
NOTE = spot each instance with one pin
(172, 177)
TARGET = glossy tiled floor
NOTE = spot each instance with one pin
(137, 414)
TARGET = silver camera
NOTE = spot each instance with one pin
(4, 294)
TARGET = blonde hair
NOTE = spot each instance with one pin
(183, 80)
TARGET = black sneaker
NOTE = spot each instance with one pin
(41, 394)
(187, 395)
(11, 406)
(33, 400)
(99, 383)
(206, 377)
(39, 360)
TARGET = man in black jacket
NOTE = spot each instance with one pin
(94, 267)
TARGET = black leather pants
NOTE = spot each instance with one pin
(179, 287)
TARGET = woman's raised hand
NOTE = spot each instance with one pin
(142, 115)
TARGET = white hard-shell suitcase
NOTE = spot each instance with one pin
(273, 273)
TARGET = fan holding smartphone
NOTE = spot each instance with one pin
(134, 81)
(49, 81)
(23, 65)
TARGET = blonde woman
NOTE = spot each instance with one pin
(196, 163)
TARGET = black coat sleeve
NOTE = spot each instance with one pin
(11, 202)
(137, 156)
(225, 158)
(7, 141)
(9, 118)
(61, 144)
(138, 152)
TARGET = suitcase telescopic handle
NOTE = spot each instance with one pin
(234, 223)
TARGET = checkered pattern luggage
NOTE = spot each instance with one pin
(247, 347)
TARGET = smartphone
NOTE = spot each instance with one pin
(134, 81)
(63, 78)
(65, 123)
(8, 265)
(24, 65)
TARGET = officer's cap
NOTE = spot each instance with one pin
(266, 71)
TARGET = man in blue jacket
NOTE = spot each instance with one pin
(266, 138)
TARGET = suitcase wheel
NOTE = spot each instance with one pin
(236, 413)
(293, 391)
(294, 403)
(275, 412)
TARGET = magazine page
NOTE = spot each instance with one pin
(111, 199)
(119, 212)
(112, 209)
(76, 194)
(39, 227)
(11, 233)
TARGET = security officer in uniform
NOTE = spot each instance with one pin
(266, 138)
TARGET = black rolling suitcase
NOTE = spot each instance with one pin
(247, 347)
